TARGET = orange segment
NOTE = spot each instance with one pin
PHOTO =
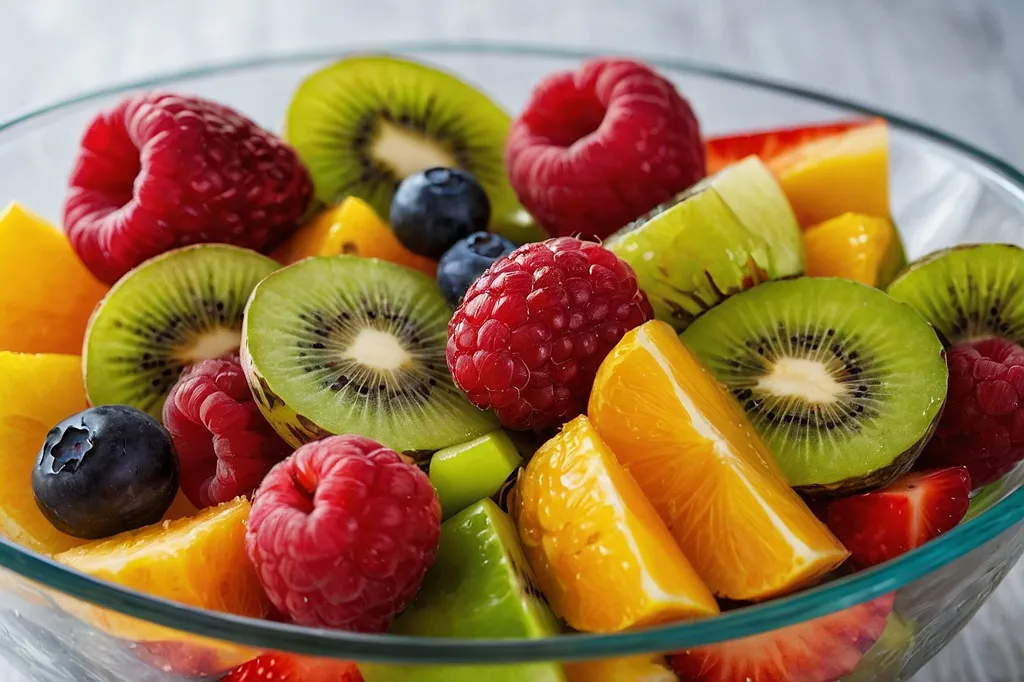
(601, 555)
(845, 172)
(352, 227)
(36, 392)
(46, 293)
(696, 456)
(864, 248)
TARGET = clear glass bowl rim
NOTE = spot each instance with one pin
(751, 620)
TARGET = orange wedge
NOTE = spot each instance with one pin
(695, 455)
(601, 555)
(352, 227)
(864, 248)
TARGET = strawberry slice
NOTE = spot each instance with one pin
(822, 650)
(287, 668)
(768, 144)
(886, 523)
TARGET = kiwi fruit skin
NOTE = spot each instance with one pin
(887, 364)
(421, 437)
(340, 113)
(107, 353)
(969, 292)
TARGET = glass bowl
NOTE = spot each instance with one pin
(61, 625)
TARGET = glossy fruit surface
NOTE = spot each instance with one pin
(435, 208)
(696, 456)
(864, 248)
(288, 668)
(464, 262)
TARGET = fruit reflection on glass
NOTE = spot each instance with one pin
(343, 378)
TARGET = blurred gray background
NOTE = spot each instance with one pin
(955, 64)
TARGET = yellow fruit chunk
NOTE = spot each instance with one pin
(841, 173)
(695, 455)
(352, 227)
(46, 293)
(601, 555)
(198, 561)
(864, 248)
(632, 669)
(36, 392)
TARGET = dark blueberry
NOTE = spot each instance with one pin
(104, 471)
(435, 208)
(463, 263)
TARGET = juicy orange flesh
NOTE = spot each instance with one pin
(199, 561)
(36, 392)
(696, 456)
(352, 227)
(847, 172)
(46, 293)
(601, 555)
(853, 246)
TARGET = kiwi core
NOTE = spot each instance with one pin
(802, 378)
(406, 151)
(210, 344)
(377, 349)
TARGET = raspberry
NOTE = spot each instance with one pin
(160, 171)
(225, 446)
(531, 332)
(982, 426)
(342, 533)
(599, 147)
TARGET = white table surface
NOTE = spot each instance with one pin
(956, 64)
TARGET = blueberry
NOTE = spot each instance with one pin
(433, 209)
(466, 260)
(104, 471)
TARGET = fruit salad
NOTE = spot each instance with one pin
(417, 366)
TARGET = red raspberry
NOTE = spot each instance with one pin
(160, 171)
(531, 332)
(225, 446)
(342, 533)
(982, 425)
(599, 147)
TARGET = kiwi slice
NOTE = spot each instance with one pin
(968, 292)
(844, 383)
(176, 309)
(362, 124)
(885, 659)
(343, 344)
(479, 587)
(468, 472)
(722, 236)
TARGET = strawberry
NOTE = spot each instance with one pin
(822, 650)
(883, 524)
(286, 668)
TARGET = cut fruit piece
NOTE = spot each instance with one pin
(862, 248)
(480, 587)
(653, 668)
(695, 455)
(844, 384)
(348, 345)
(519, 227)
(174, 310)
(821, 650)
(46, 293)
(884, 660)
(603, 558)
(725, 150)
(351, 228)
(469, 472)
(198, 561)
(723, 235)
(842, 173)
(364, 123)
(36, 392)
(969, 292)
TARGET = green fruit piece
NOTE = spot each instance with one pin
(985, 497)
(519, 227)
(343, 344)
(178, 308)
(968, 292)
(884, 660)
(469, 472)
(479, 587)
(722, 236)
(364, 123)
(844, 384)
